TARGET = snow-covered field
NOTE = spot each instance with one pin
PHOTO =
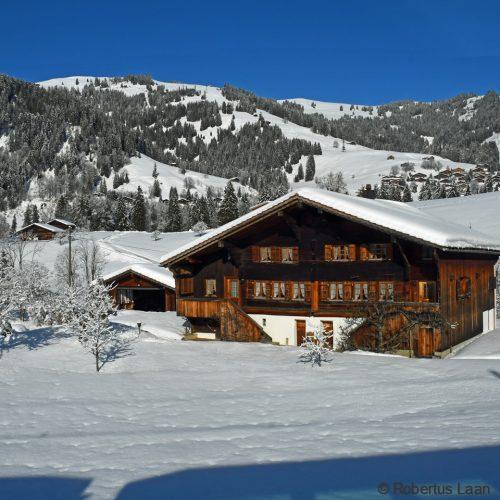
(212, 420)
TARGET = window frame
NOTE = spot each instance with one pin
(206, 282)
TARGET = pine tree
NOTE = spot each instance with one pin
(174, 212)
(406, 197)
(343, 146)
(310, 168)
(139, 222)
(62, 208)
(13, 226)
(228, 210)
(300, 172)
(232, 126)
(122, 222)
(27, 220)
(155, 172)
(34, 214)
(156, 189)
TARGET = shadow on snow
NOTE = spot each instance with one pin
(347, 478)
(43, 488)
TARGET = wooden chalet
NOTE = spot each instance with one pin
(62, 224)
(143, 287)
(314, 256)
(39, 231)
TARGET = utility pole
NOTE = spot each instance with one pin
(70, 267)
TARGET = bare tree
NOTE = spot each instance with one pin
(17, 251)
(91, 259)
(66, 267)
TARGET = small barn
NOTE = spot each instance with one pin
(62, 224)
(142, 287)
(39, 231)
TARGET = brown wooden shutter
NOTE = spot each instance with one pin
(323, 290)
(269, 288)
(389, 251)
(295, 254)
(372, 290)
(288, 290)
(347, 290)
(399, 290)
(301, 330)
(308, 291)
(250, 288)
(328, 252)
(255, 253)
(352, 252)
(276, 254)
(363, 252)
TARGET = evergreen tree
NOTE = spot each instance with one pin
(27, 219)
(139, 213)
(228, 209)
(155, 172)
(310, 168)
(343, 146)
(122, 221)
(406, 197)
(34, 214)
(156, 189)
(174, 212)
(62, 208)
(300, 172)
(13, 226)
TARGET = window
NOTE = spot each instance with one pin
(260, 290)
(464, 290)
(125, 297)
(427, 253)
(377, 251)
(287, 254)
(298, 291)
(210, 287)
(279, 290)
(360, 291)
(266, 254)
(340, 252)
(426, 291)
(386, 291)
(336, 291)
(234, 289)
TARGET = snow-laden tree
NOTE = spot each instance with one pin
(200, 228)
(90, 321)
(317, 346)
(332, 182)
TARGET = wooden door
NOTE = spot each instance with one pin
(328, 327)
(300, 328)
(232, 289)
(428, 341)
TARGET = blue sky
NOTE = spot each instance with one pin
(353, 51)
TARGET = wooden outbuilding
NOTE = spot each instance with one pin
(39, 231)
(143, 287)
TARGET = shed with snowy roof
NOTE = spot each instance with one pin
(39, 231)
(143, 287)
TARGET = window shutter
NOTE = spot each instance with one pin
(347, 290)
(276, 254)
(352, 252)
(295, 254)
(389, 251)
(324, 289)
(399, 290)
(363, 252)
(308, 292)
(372, 290)
(250, 288)
(268, 288)
(255, 253)
(288, 290)
(328, 252)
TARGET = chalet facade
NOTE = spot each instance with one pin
(313, 256)
(39, 231)
(143, 287)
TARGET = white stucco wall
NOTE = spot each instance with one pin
(282, 329)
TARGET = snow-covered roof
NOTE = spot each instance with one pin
(151, 271)
(62, 221)
(48, 227)
(390, 216)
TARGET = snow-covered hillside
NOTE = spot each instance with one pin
(360, 165)
(335, 109)
(479, 212)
